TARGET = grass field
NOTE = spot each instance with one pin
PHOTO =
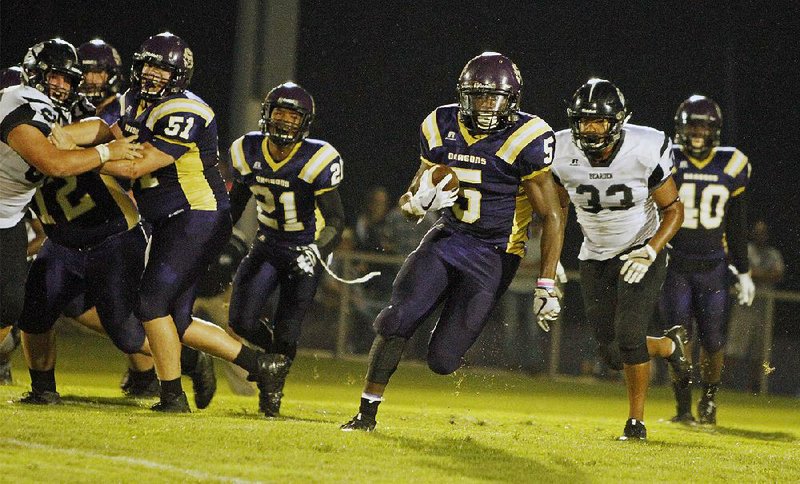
(476, 426)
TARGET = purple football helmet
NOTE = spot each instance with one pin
(597, 98)
(489, 91)
(293, 97)
(53, 56)
(698, 125)
(98, 56)
(10, 76)
(165, 51)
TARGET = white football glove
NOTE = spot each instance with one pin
(636, 263)
(307, 259)
(546, 307)
(745, 289)
(429, 196)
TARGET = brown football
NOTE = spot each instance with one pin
(441, 171)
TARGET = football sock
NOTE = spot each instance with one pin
(141, 376)
(369, 406)
(710, 390)
(171, 388)
(683, 397)
(247, 359)
(188, 359)
(43, 381)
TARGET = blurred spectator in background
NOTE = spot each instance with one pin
(745, 348)
(371, 223)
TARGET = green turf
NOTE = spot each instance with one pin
(475, 426)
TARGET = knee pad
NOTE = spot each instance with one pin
(259, 333)
(634, 355)
(389, 323)
(611, 355)
(129, 341)
(384, 357)
(444, 364)
(712, 342)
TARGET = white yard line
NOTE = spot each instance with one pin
(124, 460)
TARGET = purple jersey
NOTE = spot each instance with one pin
(285, 191)
(705, 187)
(82, 211)
(491, 205)
(113, 111)
(184, 127)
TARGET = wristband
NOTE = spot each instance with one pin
(545, 283)
(104, 153)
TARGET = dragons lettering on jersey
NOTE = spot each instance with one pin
(477, 160)
(273, 181)
(700, 177)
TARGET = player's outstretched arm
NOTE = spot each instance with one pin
(89, 132)
(33, 146)
(240, 194)
(151, 160)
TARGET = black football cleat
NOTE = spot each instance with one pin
(707, 411)
(138, 387)
(204, 380)
(681, 368)
(634, 430)
(269, 403)
(360, 422)
(172, 404)
(34, 397)
(684, 418)
(273, 370)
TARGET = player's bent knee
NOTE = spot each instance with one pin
(129, 342)
(444, 364)
(634, 355)
(384, 357)
(388, 322)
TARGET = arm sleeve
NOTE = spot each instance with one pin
(240, 195)
(665, 166)
(330, 205)
(735, 232)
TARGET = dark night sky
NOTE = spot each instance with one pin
(377, 69)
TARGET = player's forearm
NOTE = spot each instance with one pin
(119, 169)
(332, 210)
(89, 132)
(553, 224)
(672, 219)
(68, 163)
(152, 159)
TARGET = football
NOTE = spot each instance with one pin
(441, 171)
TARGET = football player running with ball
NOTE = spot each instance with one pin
(619, 177)
(502, 157)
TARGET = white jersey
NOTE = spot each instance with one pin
(18, 180)
(613, 203)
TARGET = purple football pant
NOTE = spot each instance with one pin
(181, 248)
(466, 274)
(267, 267)
(702, 295)
(107, 274)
